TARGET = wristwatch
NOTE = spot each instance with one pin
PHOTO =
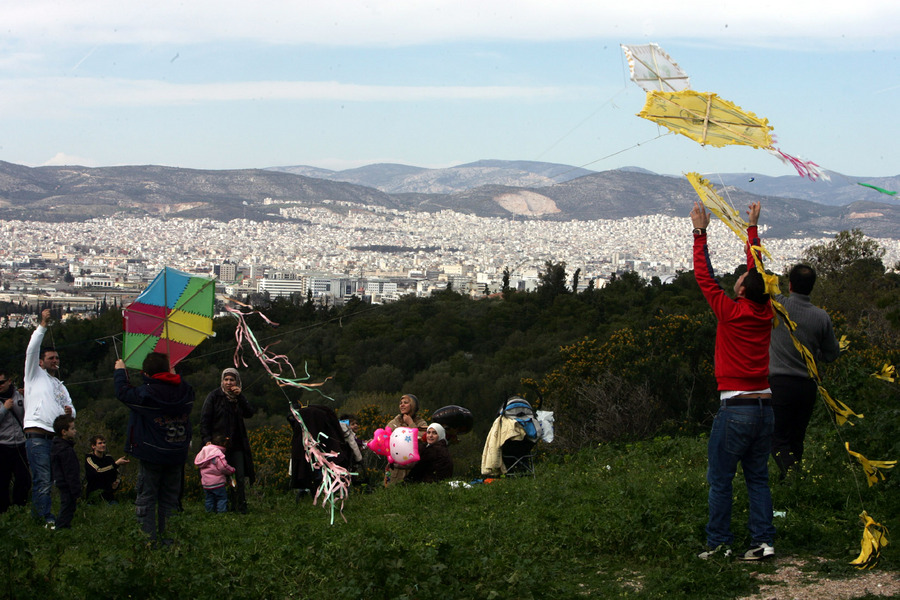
(698, 231)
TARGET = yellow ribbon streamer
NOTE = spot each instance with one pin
(873, 540)
(871, 466)
(887, 373)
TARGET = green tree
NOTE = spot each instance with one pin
(844, 250)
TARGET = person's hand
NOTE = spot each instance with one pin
(408, 420)
(45, 317)
(122, 461)
(8, 403)
(115, 484)
(68, 410)
(753, 214)
(236, 389)
(120, 364)
(699, 216)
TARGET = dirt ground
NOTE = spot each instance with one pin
(789, 582)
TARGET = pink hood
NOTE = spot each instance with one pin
(213, 467)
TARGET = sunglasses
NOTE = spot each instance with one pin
(2, 381)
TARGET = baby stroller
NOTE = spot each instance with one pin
(511, 440)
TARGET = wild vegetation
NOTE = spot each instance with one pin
(618, 506)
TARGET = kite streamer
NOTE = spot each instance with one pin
(888, 373)
(877, 189)
(871, 466)
(873, 540)
(335, 478)
(274, 364)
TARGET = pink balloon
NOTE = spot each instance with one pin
(404, 446)
(380, 443)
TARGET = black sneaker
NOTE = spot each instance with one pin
(759, 552)
(721, 551)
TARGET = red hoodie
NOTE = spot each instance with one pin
(744, 326)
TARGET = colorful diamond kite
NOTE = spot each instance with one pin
(173, 315)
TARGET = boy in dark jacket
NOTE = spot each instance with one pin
(159, 434)
(65, 469)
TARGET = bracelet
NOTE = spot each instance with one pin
(698, 231)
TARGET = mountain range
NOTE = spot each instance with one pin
(490, 188)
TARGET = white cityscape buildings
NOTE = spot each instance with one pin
(335, 252)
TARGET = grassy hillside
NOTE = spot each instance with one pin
(611, 521)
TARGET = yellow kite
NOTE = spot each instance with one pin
(706, 118)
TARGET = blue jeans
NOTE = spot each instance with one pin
(38, 451)
(740, 434)
(216, 500)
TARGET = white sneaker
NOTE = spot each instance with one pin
(759, 552)
(720, 551)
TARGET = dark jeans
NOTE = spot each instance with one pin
(157, 496)
(14, 467)
(793, 400)
(238, 494)
(216, 500)
(67, 501)
(740, 434)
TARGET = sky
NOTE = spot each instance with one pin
(432, 83)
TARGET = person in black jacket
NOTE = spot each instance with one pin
(159, 435)
(65, 469)
(223, 413)
(434, 463)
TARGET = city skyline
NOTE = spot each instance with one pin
(436, 84)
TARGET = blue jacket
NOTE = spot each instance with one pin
(159, 429)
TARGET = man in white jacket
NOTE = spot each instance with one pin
(45, 399)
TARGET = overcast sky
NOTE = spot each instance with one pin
(339, 84)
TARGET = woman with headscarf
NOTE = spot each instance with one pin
(408, 417)
(434, 463)
(223, 412)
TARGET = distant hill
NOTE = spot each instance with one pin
(80, 193)
(403, 179)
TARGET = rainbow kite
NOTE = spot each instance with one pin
(173, 315)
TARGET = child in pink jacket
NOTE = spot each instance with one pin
(214, 471)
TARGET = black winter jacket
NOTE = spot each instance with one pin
(159, 428)
(64, 466)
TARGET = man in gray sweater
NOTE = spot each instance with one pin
(793, 390)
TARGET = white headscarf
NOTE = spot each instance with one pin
(438, 429)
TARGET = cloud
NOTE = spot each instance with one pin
(411, 22)
(63, 159)
(68, 93)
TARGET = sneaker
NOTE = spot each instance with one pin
(759, 552)
(50, 525)
(721, 550)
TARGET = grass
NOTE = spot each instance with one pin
(613, 521)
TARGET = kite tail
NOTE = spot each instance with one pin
(875, 537)
(335, 478)
(276, 365)
(805, 168)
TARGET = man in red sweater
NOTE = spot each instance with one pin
(742, 429)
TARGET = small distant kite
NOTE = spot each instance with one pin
(654, 70)
(173, 315)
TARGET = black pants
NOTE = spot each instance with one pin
(67, 501)
(14, 467)
(237, 494)
(793, 400)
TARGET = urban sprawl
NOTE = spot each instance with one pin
(332, 253)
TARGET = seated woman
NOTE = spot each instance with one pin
(408, 417)
(434, 463)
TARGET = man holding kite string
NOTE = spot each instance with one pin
(742, 429)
